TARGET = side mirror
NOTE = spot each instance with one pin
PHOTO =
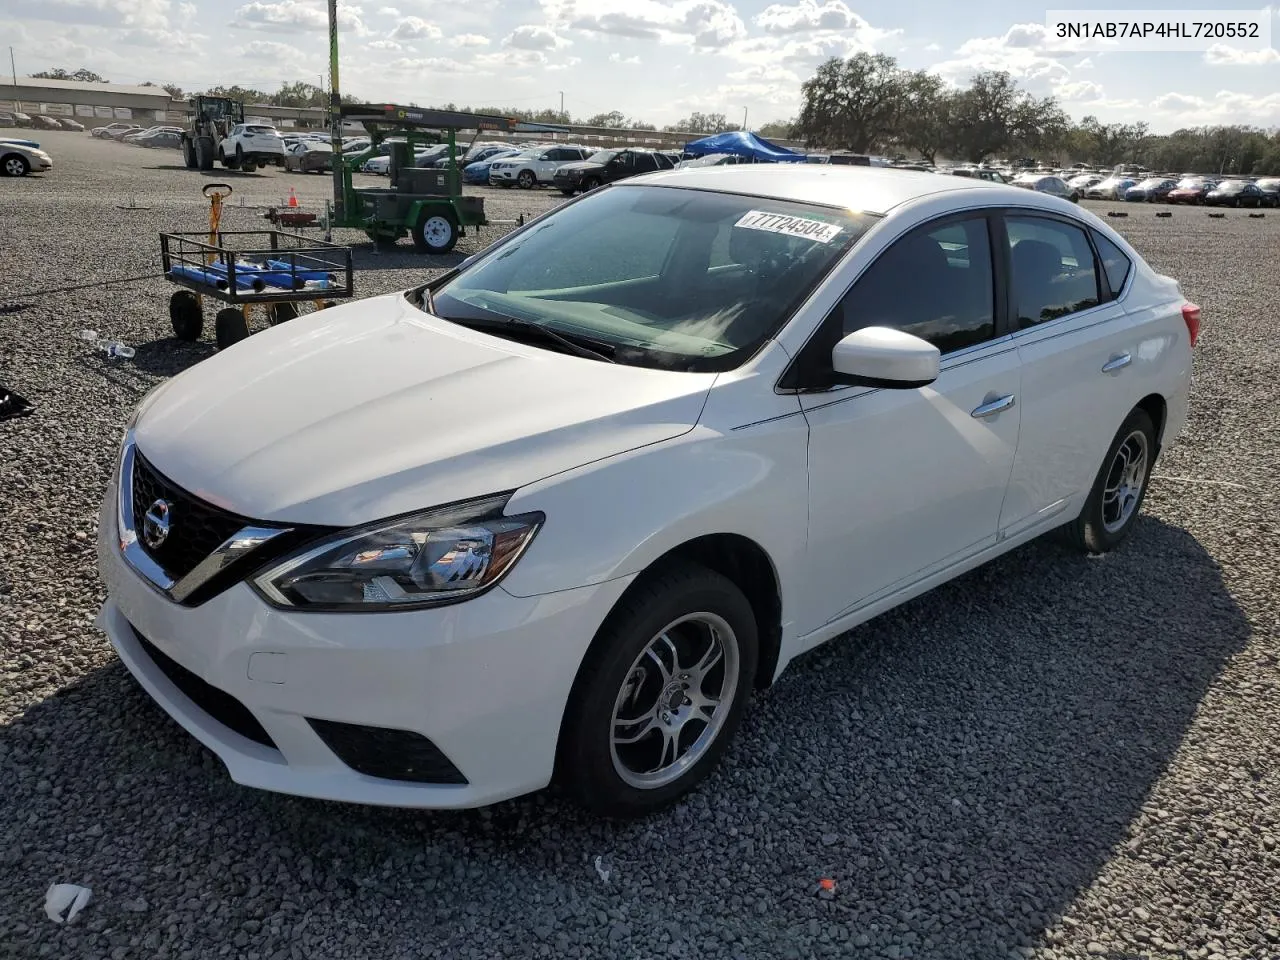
(884, 357)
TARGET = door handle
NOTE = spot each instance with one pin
(992, 407)
(1118, 362)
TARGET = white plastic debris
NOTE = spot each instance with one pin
(64, 895)
(603, 870)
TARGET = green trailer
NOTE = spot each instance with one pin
(424, 203)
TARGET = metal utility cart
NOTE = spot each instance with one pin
(279, 271)
(425, 203)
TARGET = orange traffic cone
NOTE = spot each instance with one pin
(293, 198)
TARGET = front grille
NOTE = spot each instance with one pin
(389, 754)
(219, 704)
(196, 528)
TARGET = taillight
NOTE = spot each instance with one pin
(1191, 317)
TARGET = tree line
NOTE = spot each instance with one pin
(868, 103)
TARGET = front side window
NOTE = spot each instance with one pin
(1052, 270)
(934, 283)
(665, 277)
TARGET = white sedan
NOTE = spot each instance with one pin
(21, 157)
(557, 513)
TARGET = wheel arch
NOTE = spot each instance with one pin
(1158, 410)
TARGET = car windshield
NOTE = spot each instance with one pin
(1231, 186)
(1152, 182)
(257, 128)
(1190, 183)
(603, 156)
(658, 276)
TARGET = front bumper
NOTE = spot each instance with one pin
(503, 176)
(486, 681)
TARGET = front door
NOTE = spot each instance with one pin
(905, 482)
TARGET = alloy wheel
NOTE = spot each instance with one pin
(1125, 480)
(675, 700)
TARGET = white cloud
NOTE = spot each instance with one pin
(1026, 50)
(619, 58)
(1224, 107)
(703, 23)
(272, 49)
(388, 12)
(296, 15)
(389, 45)
(534, 38)
(1078, 91)
(933, 47)
(417, 65)
(470, 40)
(565, 65)
(1085, 64)
(415, 28)
(805, 16)
(1221, 55)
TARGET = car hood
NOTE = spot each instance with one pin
(375, 408)
(579, 166)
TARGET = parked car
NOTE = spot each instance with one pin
(1236, 193)
(309, 156)
(720, 379)
(1084, 181)
(711, 160)
(1270, 187)
(607, 166)
(251, 145)
(1112, 188)
(14, 118)
(980, 173)
(158, 139)
(477, 172)
(1052, 185)
(474, 155)
(119, 135)
(108, 131)
(1190, 190)
(21, 157)
(529, 170)
(68, 124)
(1151, 189)
(42, 122)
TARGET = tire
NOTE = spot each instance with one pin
(204, 153)
(248, 166)
(436, 234)
(229, 327)
(680, 602)
(591, 184)
(185, 316)
(1102, 525)
(188, 153)
(567, 193)
(282, 312)
(14, 165)
(526, 180)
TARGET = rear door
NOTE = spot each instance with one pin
(1078, 351)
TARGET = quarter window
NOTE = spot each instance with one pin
(1052, 267)
(936, 284)
(1115, 265)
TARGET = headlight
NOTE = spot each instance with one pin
(435, 557)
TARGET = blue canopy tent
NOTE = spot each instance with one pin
(742, 144)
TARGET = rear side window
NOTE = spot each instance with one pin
(936, 284)
(1052, 270)
(1115, 265)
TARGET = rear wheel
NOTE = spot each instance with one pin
(1119, 488)
(660, 692)
(185, 316)
(188, 153)
(436, 234)
(526, 180)
(229, 327)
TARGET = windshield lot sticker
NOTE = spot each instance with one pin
(802, 227)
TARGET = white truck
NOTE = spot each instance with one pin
(251, 145)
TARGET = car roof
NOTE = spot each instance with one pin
(866, 189)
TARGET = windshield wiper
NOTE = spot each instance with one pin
(577, 345)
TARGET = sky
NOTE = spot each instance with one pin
(654, 60)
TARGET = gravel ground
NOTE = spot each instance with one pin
(1053, 756)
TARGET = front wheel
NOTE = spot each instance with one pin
(526, 180)
(1118, 490)
(188, 153)
(15, 165)
(592, 184)
(436, 234)
(660, 693)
